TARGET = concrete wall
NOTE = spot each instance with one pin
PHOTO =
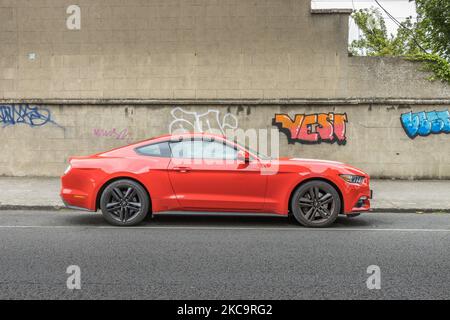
(374, 138)
(132, 62)
(178, 49)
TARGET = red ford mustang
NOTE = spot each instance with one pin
(203, 172)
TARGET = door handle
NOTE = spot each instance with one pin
(182, 169)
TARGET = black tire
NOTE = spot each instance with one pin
(124, 203)
(315, 204)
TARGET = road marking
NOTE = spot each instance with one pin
(227, 228)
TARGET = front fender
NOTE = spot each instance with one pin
(282, 185)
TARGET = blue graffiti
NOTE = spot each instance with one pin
(24, 114)
(425, 123)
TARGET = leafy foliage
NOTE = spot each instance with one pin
(434, 63)
(376, 41)
(427, 40)
(434, 23)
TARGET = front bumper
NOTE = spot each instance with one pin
(362, 204)
(356, 197)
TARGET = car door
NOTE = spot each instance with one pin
(154, 159)
(206, 175)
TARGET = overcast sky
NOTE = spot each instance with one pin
(400, 9)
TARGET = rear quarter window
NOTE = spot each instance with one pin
(155, 150)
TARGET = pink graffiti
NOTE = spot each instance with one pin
(112, 133)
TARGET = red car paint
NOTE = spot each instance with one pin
(226, 187)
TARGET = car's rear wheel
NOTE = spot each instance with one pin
(124, 203)
(316, 204)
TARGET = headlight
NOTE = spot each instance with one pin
(67, 169)
(350, 178)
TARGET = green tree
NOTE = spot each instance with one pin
(434, 25)
(427, 40)
(376, 41)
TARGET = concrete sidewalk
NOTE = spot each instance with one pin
(389, 195)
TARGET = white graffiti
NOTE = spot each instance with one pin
(191, 121)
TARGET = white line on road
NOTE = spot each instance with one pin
(227, 228)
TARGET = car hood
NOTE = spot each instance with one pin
(318, 161)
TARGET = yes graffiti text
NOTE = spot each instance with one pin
(313, 128)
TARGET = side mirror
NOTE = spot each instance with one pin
(243, 156)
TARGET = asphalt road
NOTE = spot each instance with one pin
(197, 257)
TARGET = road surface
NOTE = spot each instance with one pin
(225, 257)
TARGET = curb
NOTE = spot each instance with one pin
(410, 210)
(5, 207)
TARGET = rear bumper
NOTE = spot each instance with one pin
(78, 191)
(68, 206)
(73, 199)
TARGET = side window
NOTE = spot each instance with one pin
(218, 150)
(155, 150)
(187, 149)
(199, 149)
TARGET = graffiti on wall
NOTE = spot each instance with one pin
(112, 133)
(313, 128)
(191, 121)
(424, 123)
(33, 116)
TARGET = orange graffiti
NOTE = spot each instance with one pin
(313, 128)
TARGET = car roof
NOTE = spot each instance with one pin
(181, 136)
(167, 137)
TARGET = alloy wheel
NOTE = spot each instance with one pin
(123, 203)
(316, 204)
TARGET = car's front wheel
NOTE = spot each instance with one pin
(316, 204)
(124, 203)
